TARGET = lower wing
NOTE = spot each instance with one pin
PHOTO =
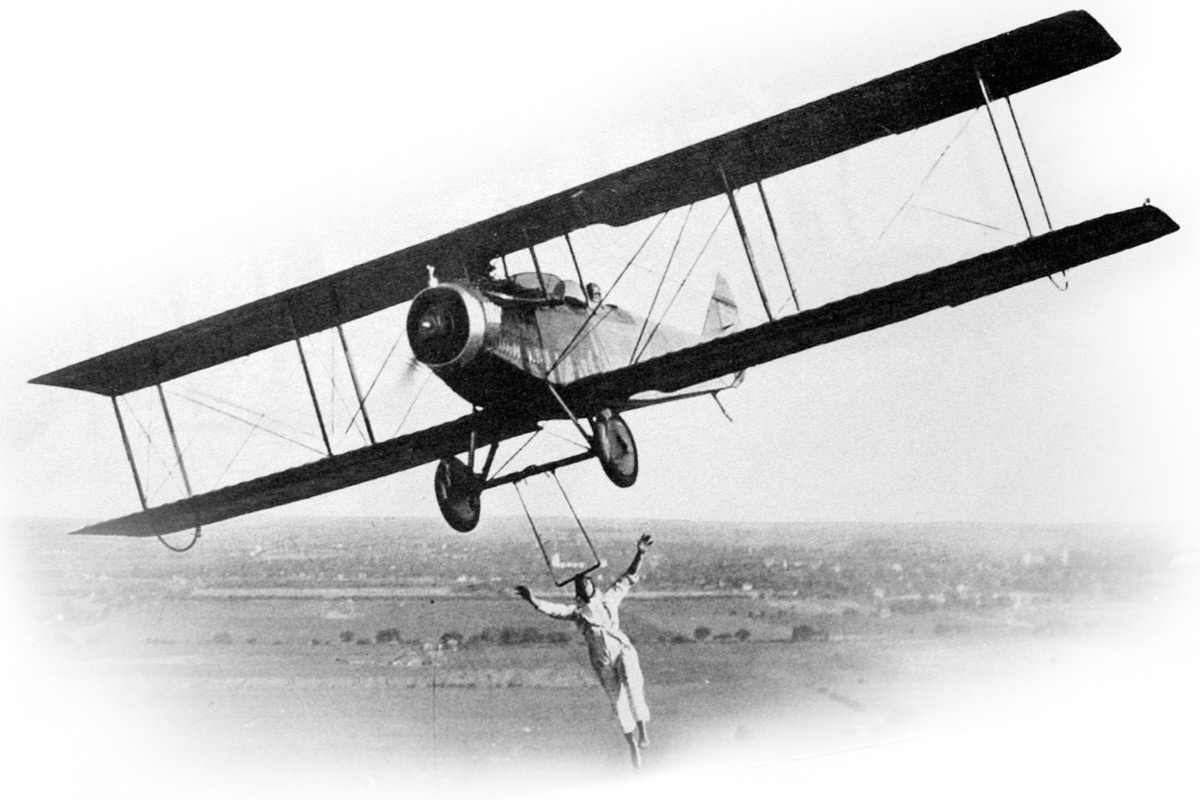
(953, 285)
(318, 477)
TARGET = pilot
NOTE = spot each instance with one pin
(594, 295)
(612, 654)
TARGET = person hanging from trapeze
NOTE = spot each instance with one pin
(613, 656)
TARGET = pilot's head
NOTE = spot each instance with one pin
(584, 588)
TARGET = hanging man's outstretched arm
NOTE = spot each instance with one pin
(623, 584)
(555, 610)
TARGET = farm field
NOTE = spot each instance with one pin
(371, 683)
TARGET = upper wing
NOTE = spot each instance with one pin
(899, 102)
(318, 477)
(953, 285)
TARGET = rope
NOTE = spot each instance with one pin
(536, 535)
(662, 280)
(686, 277)
(554, 474)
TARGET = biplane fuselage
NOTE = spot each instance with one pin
(498, 345)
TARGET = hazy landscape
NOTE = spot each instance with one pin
(376, 653)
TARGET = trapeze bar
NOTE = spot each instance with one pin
(538, 469)
(162, 398)
(741, 226)
(775, 233)
(987, 102)
(137, 480)
(362, 405)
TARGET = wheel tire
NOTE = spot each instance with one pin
(616, 450)
(458, 494)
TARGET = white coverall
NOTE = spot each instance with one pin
(612, 654)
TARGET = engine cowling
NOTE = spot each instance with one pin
(449, 324)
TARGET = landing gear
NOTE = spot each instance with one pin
(615, 448)
(457, 487)
(457, 490)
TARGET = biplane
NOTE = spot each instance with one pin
(527, 348)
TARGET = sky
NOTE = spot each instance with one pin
(171, 163)
(165, 162)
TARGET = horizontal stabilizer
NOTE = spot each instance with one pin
(317, 477)
(953, 285)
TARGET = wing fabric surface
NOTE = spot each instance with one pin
(896, 103)
(947, 286)
(318, 477)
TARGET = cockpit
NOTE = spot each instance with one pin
(542, 287)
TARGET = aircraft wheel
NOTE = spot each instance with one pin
(458, 494)
(616, 450)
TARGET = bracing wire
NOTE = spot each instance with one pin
(374, 381)
(584, 327)
(241, 447)
(412, 404)
(255, 425)
(928, 174)
(231, 404)
(146, 433)
(171, 470)
(960, 219)
(532, 436)
(661, 281)
(565, 439)
(687, 276)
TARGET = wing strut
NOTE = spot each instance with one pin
(312, 392)
(187, 484)
(362, 403)
(987, 102)
(137, 480)
(741, 226)
(1028, 161)
(775, 233)
(575, 261)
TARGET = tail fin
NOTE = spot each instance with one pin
(722, 317)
